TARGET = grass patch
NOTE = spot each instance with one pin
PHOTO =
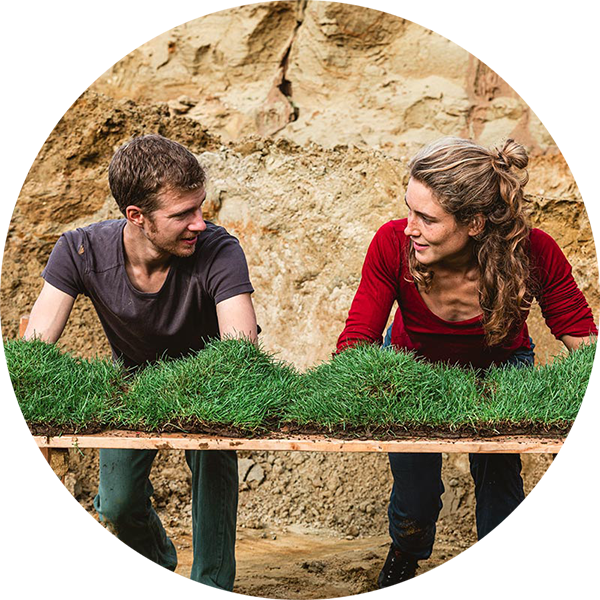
(365, 386)
(56, 388)
(233, 384)
(230, 382)
(550, 394)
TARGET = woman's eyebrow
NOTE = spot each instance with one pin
(418, 212)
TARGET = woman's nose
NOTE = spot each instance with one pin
(410, 229)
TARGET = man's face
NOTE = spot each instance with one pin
(175, 226)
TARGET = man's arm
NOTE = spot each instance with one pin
(49, 314)
(237, 318)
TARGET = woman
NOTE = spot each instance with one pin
(464, 268)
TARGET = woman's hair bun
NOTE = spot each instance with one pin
(510, 155)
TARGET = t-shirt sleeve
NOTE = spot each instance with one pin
(563, 305)
(65, 266)
(227, 275)
(376, 292)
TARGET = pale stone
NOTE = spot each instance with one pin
(256, 475)
(244, 466)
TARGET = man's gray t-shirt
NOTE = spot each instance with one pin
(142, 327)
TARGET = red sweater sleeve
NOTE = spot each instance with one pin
(377, 291)
(563, 305)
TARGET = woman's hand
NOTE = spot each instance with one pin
(572, 342)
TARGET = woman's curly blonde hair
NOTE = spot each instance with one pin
(468, 180)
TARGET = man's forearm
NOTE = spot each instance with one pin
(49, 314)
(237, 318)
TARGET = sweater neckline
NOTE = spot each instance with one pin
(464, 322)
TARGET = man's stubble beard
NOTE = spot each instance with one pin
(172, 248)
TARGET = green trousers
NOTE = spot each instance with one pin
(124, 505)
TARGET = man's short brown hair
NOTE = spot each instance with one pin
(149, 164)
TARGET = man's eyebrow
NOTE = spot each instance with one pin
(183, 212)
(422, 214)
(187, 210)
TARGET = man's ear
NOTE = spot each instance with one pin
(477, 225)
(134, 215)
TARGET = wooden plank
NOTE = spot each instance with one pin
(136, 440)
(23, 322)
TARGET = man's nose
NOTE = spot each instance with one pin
(198, 224)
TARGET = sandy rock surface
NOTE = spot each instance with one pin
(305, 115)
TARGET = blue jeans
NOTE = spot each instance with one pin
(415, 501)
(124, 505)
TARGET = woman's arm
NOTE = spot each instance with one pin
(376, 292)
(572, 342)
(563, 305)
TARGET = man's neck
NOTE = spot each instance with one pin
(141, 255)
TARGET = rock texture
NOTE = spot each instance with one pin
(325, 75)
(324, 72)
(304, 214)
(225, 70)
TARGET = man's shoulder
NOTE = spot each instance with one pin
(98, 243)
(213, 239)
(216, 249)
(215, 232)
(100, 230)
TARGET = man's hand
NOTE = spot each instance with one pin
(237, 318)
(49, 314)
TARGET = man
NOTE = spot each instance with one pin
(162, 281)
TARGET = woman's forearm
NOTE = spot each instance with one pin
(572, 342)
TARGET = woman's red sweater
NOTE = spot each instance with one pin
(385, 278)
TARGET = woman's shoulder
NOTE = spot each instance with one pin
(547, 258)
(391, 235)
(541, 242)
(394, 228)
(539, 236)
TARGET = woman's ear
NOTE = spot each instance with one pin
(477, 225)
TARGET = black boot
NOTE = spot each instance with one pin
(398, 567)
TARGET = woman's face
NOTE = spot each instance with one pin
(436, 236)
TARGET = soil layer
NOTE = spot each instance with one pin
(347, 433)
